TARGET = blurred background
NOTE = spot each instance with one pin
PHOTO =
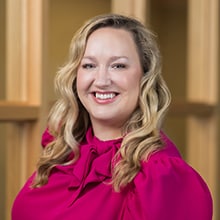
(34, 43)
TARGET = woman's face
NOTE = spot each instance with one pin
(108, 77)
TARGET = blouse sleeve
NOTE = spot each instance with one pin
(168, 189)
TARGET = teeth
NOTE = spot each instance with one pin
(104, 96)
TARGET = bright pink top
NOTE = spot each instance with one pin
(166, 188)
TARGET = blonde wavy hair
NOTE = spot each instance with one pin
(68, 120)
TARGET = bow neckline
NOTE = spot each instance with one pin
(101, 146)
(94, 164)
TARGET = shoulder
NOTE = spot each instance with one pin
(168, 166)
(164, 162)
(167, 183)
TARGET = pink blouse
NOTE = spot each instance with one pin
(166, 188)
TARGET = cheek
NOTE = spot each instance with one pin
(134, 82)
(82, 81)
(80, 86)
(134, 87)
(81, 89)
(78, 83)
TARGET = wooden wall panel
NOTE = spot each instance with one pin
(24, 105)
(202, 86)
(136, 8)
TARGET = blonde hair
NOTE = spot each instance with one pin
(68, 120)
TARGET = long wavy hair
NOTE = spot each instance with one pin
(68, 120)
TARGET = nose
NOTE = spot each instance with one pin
(102, 78)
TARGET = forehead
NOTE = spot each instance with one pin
(112, 38)
(111, 31)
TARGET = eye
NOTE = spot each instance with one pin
(118, 66)
(88, 66)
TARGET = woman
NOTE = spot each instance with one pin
(105, 155)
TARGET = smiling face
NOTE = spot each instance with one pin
(108, 79)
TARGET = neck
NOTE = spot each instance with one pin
(105, 132)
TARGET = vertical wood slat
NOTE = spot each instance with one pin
(203, 51)
(14, 35)
(24, 71)
(15, 87)
(136, 8)
(202, 84)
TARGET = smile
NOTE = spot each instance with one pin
(104, 96)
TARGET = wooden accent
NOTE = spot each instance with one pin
(197, 109)
(135, 8)
(203, 51)
(202, 86)
(25, 82)
(18, 112)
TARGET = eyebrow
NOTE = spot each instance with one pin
(111, 58)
